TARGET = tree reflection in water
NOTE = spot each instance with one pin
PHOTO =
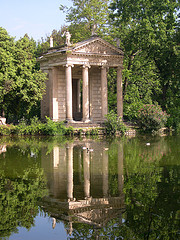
(123, 189)
(19, 198)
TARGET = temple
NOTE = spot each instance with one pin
(77, 80)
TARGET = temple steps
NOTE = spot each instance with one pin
(79, 124)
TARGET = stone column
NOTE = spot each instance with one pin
(86, 165)
(120, 168)
(119, 93)
(69, 116)
(53, 93)
(85, 93)
(56, 157)
(104, 92)
(79, 165)
(56, 187)
(78, 96)
(70, 172)
(105, 173)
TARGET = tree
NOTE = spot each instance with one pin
(21, 83)
(86, 17)
(19, 199)
(7, 67)
(58, 40)
(151, 27)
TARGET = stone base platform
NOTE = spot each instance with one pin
(80, 124)
(77, 125)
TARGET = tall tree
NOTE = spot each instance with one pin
(21, 83)
(87, 17)
(151, 27)
(58, 40)
(7, 67)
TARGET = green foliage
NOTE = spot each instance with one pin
(114, 124)
(22, 85)
(36, 127)
(84, 15)
(7, 66)
(18, 199)
(149, 35)
(69, 131)
(53, 128)
(151, 117)
(7, 130)
(174, 118)
(94, 131)
(44, 44)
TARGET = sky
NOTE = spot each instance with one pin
(37, 18)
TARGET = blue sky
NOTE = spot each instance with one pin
(37, 18)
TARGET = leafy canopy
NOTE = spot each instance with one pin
(22, 84)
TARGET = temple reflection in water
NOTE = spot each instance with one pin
(78, 180)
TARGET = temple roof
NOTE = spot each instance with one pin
(93, 45)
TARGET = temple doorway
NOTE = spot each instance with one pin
(77, 99)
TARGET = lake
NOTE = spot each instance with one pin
(60, 188)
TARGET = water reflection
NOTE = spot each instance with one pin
(116, 189)
(78, 178)
(2, 149)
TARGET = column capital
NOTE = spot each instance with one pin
(105, 66)
(68, 65)
(120, 67)
(86, 65)
(50, 68)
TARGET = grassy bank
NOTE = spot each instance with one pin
(35, 127)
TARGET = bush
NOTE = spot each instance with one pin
(69, 131)
(114, 124)
(94, 131)
(36, 127)
(174, 119)
(151, 117)
(6, 130)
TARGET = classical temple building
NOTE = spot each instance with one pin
(77, 80)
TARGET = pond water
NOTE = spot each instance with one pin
(59, 188)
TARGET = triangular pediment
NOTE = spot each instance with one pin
(96, 46)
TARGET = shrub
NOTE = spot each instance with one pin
(151, 117)
(6, 130)
(94, 131)
(69, 131)
(114, 124)
(53, 128)
(174, 119)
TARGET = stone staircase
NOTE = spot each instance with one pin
(79, 124)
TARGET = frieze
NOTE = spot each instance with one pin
(81, 60)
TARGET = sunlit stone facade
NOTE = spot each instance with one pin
(77, 81)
